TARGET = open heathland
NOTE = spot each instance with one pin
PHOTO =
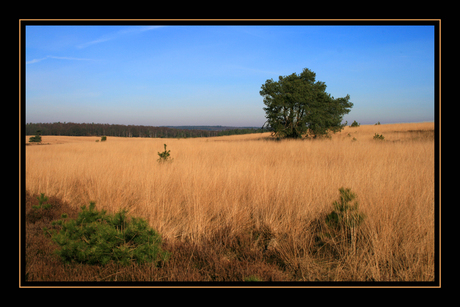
(247, 207)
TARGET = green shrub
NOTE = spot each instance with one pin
(355, 124)
(103, 138)
(41, 199)
(252, 278)
(164, 156)
(344, 220)
(43, 210)
(95, 237)
(37, 138)
(379, 137)
(344, 214)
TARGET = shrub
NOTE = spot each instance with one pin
(344, 220)
(37, 138)
(252, 278)
(95, 237)
(355, 124)
(41, 199)
(103, 138)
(40, 211)
(379, 137)
(164, 156)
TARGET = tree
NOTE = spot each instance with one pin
(297, 105)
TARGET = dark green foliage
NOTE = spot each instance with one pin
(41, 210)
(342, 224)
(41, 199)
(355, 124)
(95, 237)
(345, 215)
(103, 138)
(377, 123)
(164, 156)
(297, 105)
(37, 138)
(379, 137)
(252, 278)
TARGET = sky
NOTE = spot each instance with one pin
(212, 75)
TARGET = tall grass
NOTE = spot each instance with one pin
(235, 181)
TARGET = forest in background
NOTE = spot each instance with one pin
(92, 129)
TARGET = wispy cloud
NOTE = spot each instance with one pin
(115, 35)
(58, 58)
(97, 41)
(36, 60)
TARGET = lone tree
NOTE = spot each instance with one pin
(297, 105)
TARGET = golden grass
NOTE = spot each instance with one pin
(233, 181)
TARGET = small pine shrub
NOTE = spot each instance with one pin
(41, 199)
(343, 221)
(164, 156)
(95, 237)
(355, 124)
(103, 138)
(41, 211)
(379, 137)
(344, 214)
(377, 123)
(37, 138)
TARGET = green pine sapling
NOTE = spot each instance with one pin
(164, 156)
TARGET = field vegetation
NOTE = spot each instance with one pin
(247, 207)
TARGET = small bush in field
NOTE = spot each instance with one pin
(41, 199)
(37, 138)
(379, 137)
(343, 222)
(355, 124)
(345, 215)
(164, 156)
(103, 138)
(41, 211)
(95, 237)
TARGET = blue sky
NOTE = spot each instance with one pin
(211, 75)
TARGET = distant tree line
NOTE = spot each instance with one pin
(92, 129)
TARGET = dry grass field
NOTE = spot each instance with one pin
(224, 187)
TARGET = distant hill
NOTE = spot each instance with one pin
(210, 128)
(92, 129)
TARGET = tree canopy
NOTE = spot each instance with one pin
(298, 105)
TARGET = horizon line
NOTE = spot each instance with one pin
(168, 126)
